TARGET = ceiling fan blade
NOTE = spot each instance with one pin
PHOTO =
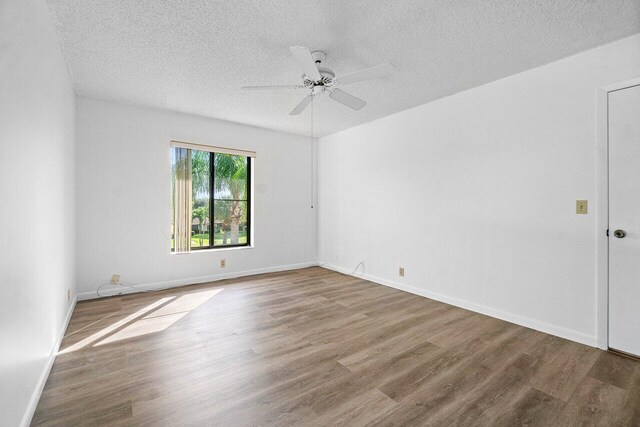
(303, 56)
(302, 105)
(274, 87)
(366, 74)
(347, 99)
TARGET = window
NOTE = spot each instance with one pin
(211, 199)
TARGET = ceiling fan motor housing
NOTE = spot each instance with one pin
(326, 75)
(326, 79)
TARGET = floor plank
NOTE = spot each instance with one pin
(315, 347)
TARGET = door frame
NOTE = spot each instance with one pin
(602, 208)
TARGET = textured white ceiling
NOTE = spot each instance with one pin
(192, 56)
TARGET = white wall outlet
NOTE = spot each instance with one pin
(401, 271)
(223, 263)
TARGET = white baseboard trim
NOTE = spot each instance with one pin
(107, 291)
(570, 334)
(44, 375)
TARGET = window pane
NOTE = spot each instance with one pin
(201, 188)
(230, 223)
(230, 177)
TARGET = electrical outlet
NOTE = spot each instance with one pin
(223, 263)
(401, 271)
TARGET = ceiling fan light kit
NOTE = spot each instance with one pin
(319, 80)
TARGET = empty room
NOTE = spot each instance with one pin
(298, 213)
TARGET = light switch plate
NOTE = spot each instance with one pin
(581, 207)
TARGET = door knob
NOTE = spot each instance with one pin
(620, 234)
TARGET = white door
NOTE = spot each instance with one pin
(624, 220)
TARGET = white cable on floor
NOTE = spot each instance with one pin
(361, 263)
(121, 285)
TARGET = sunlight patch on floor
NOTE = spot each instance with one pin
(164, 317)
(155, 317)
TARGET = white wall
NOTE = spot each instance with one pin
(37, 210)
(474, 194)
(124, 196)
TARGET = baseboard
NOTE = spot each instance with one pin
(548, 328)
(193, 280)
(37, 392)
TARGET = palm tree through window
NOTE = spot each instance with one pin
(220, 194)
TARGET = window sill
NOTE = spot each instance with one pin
(197, 251)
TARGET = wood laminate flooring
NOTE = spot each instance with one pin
(313, 347)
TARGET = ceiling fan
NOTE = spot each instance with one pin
(321, 80)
